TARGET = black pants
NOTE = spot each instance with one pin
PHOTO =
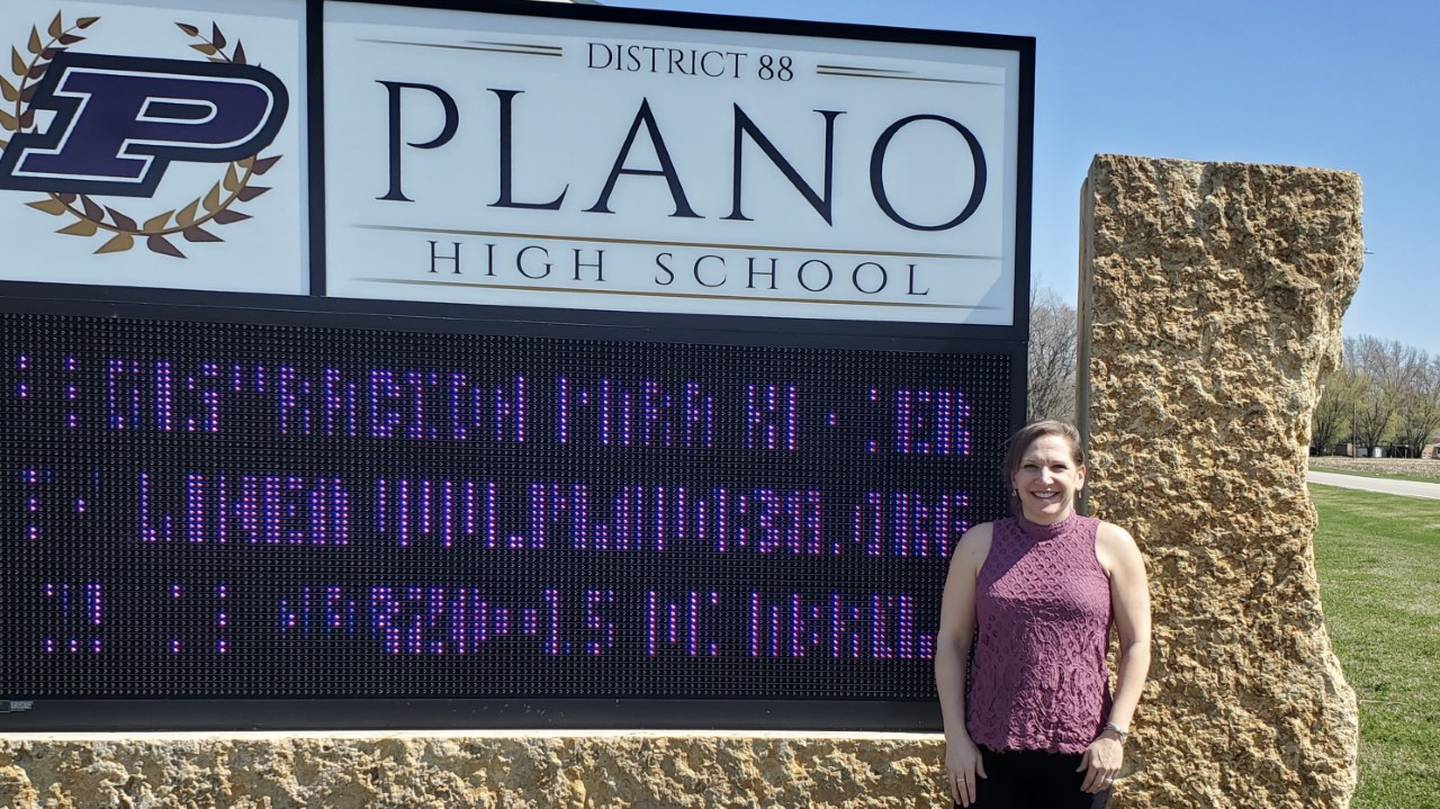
(1033, 779)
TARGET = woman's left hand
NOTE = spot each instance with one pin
(1102, 758)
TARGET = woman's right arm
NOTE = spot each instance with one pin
(952, 651)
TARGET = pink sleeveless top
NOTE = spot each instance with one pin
(1039, 679)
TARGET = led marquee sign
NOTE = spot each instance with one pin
(243, 511)
(418, 494)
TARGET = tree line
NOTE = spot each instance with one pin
(1384, 394)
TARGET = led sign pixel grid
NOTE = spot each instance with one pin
(227, 510)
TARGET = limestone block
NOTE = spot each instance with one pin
(456, 770)
(1211, 296)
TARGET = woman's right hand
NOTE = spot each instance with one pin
(963, 765)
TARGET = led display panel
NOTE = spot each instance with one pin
(229, 510)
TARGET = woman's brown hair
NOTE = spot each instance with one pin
(1021, 441)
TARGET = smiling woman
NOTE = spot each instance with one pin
(1034, 725)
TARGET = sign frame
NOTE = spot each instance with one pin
(317, 308)
(1023, 47)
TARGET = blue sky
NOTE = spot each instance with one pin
(1353, 86)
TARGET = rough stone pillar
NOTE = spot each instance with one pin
(1210, 303)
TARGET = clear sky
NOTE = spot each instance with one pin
(1339, 85)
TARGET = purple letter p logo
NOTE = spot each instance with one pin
(121, 120)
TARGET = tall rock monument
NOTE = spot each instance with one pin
(1210, 302)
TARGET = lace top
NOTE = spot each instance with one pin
(1039, 679)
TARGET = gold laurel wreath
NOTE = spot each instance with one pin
(90, 217)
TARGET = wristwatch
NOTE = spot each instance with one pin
(1117, 730)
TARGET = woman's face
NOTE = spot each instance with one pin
(1048, 479)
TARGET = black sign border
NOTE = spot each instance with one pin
(317, 308)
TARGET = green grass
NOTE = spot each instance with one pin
(1321, 466)
(1378, 558)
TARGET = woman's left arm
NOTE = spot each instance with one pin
(1130, 604)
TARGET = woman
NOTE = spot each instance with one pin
(1035, 727)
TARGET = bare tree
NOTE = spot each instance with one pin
(1332, 413)
(1384, 370)
(1053, 330)
(1418, 409)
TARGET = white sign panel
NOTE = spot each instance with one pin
(154, 146)
(518, 161)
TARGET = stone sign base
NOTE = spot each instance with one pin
(451, 770)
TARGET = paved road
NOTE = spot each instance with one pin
(1407, 488)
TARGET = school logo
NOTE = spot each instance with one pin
(117, 124)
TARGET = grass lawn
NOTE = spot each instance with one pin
(1378, 558)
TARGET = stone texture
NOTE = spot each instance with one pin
(454, 770)
(1211, 297)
